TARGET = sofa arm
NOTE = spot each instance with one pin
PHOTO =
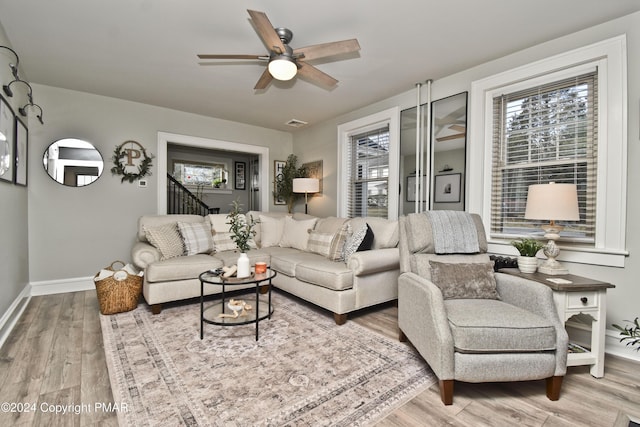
(374, 261)
(144, 254)
(422, 318)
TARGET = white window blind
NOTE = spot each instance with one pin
(368, 163)
(545, 134)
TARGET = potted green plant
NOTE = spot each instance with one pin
(284, 181)
(631, 334)
(242, 231)
(528, 248)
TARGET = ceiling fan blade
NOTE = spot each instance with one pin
(264, 80)
(450, 137)
(328, 49)
(458, 128)
(223, 56)
(316, 76)
(265, 31)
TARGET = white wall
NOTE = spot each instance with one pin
(14, 249)
(76, 231)
(320, 140)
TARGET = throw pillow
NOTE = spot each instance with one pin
(196, 237)
(320, 243)
(223, 242)
(337, 244)
(457, 281)
(296, 233)
(367, 242)
(270, 230)
(166, 239)
(219, 223)
(354, 241)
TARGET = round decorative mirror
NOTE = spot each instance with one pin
(73, 162)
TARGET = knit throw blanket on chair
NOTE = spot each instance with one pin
(454, 232)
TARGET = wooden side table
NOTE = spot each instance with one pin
(582, 295)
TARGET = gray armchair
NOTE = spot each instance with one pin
(469, 323)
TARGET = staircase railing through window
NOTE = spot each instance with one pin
(180, 200)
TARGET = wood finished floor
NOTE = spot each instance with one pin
(55, 356)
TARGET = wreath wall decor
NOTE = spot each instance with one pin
(127, 155)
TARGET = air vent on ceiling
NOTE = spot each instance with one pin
(296, 123)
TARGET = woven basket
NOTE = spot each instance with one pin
(118, 296)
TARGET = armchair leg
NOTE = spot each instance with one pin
(446, 391)
(553, 387)
(156, 308)
(401, 336)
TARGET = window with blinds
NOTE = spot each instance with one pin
(368, 160)
(540, 135)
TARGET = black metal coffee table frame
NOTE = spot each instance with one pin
(212, 278)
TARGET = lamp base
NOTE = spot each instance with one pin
(552, 268)
(550, 265)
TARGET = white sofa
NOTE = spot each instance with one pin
(301, 248)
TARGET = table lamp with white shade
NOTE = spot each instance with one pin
(306, 186)
(552, 202)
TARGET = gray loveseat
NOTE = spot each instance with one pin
(304, 250)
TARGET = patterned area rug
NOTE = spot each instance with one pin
(304, 370)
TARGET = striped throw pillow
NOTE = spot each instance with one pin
(320, 243)
(196, 237)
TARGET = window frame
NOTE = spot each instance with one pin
(389, 117)
(554, 79)
(610, 58)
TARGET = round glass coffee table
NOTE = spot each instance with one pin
(232, 311)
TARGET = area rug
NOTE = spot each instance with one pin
(304, 370)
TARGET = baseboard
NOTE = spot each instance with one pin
(13, 313)
(581, 334)
(49, 287)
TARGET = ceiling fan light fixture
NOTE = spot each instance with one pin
(283, 68)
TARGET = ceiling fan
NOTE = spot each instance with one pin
(285, 62)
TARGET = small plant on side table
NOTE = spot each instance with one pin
(631, 334)
(528, 248)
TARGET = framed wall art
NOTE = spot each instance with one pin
(240, 180)
(7, 143)
(411, 189)
(278, 166)
(447, 188)
(22, 144)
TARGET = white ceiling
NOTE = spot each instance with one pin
(145, 50)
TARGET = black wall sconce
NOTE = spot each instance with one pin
(31, 105)
(14, 67)
(7, 88)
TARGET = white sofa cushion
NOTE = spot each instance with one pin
(286, 262)
(322, 272)
(295, 233)
(219, 223)
(270, 231)
(186, 267)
